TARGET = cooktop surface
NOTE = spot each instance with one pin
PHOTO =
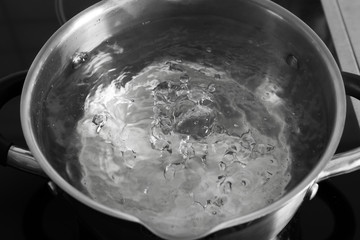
(30, 211)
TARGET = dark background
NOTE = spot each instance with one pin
(26, 25)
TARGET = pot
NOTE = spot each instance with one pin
(280, 51)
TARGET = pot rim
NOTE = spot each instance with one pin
(95, 12)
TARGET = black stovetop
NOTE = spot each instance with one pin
(30, 211)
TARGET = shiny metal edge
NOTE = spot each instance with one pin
(93, 12)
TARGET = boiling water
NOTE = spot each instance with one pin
(180, 130)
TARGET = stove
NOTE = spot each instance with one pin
(29, 210)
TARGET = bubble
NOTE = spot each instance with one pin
(222, 166)
(244, 182)
(221, 179)
(227, 187)
(211, 88)
(209, 49)
(99, 120)
(228, 158)
(78, 59)
(292, 61)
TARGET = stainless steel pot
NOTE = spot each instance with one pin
(316, 73)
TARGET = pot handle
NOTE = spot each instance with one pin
(348, 161)
(11, 155)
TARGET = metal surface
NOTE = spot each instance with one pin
(96, 24)
(23, 159)
(341, 163)
(311, 193)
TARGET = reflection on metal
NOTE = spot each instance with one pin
(311, 193)
(342, 163)
(24, 160)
